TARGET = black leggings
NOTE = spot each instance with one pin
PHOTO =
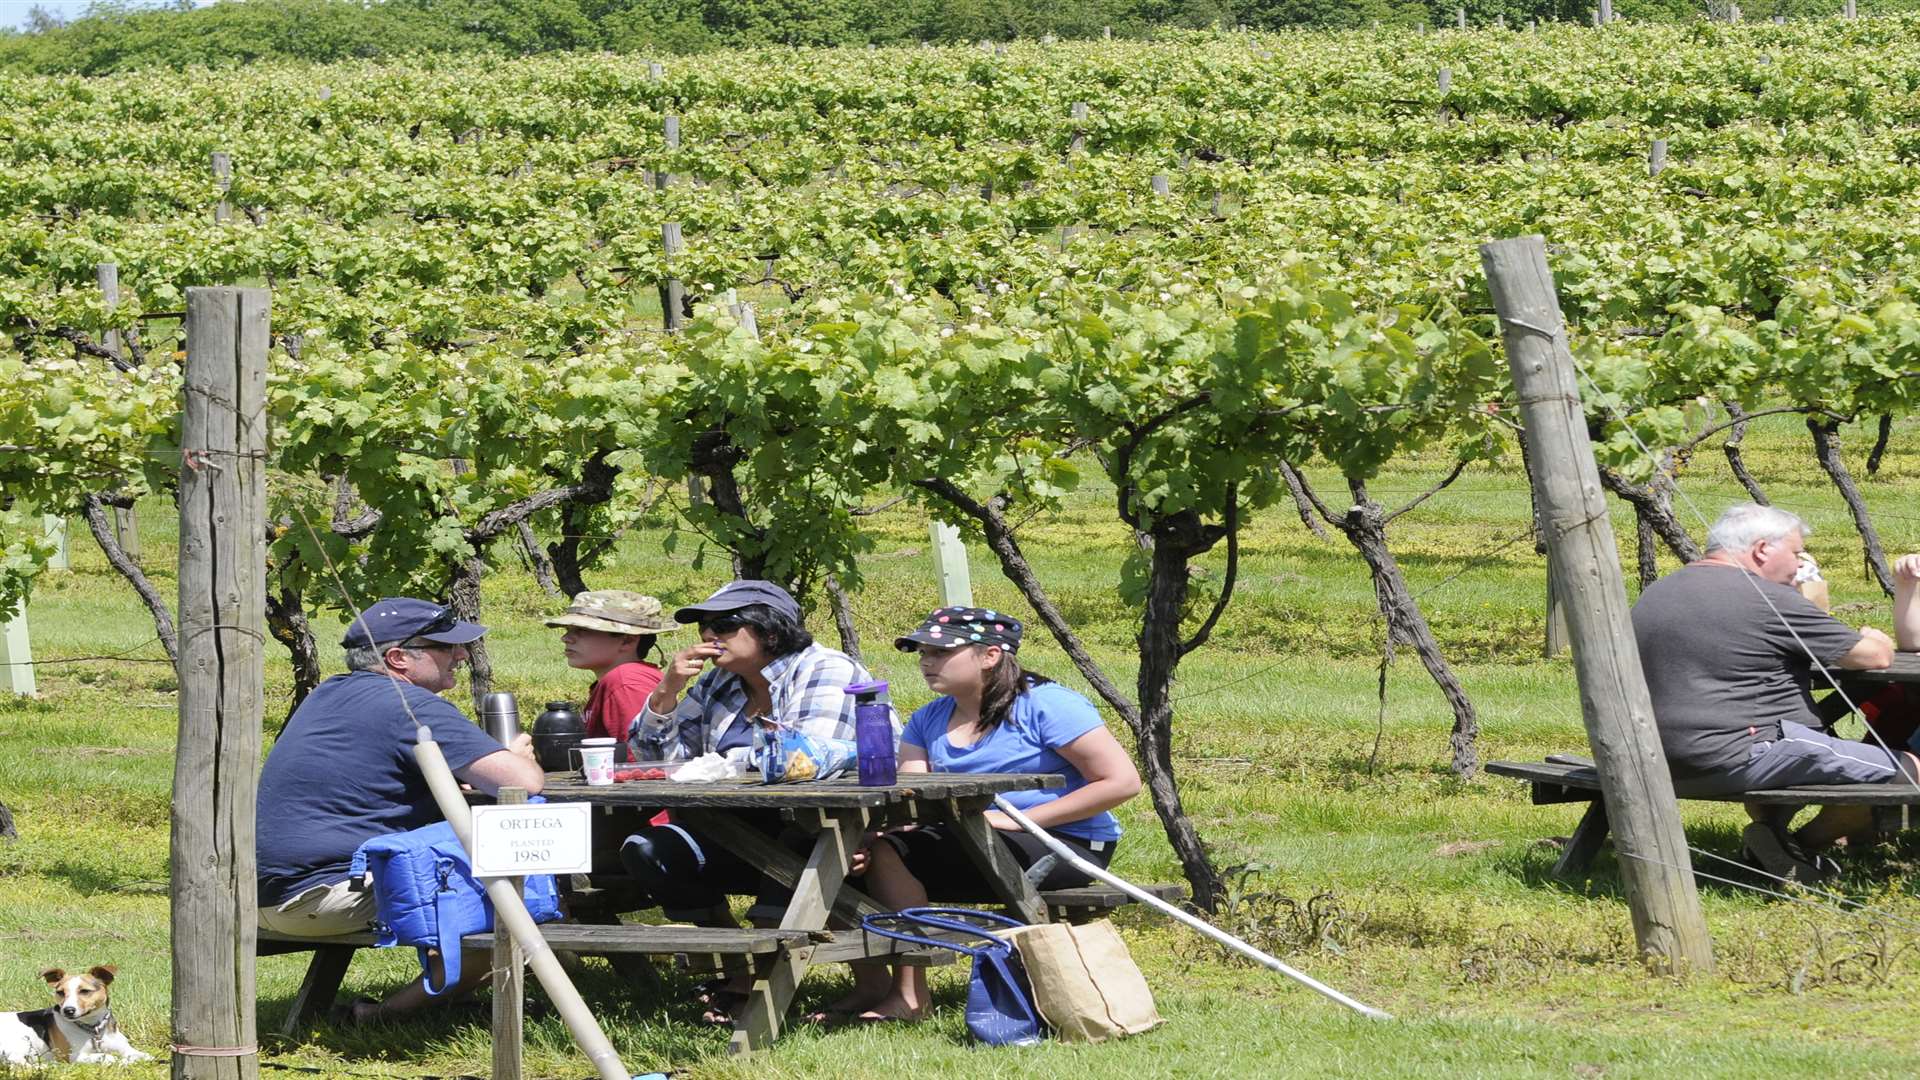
(684, 869)
(934, 855)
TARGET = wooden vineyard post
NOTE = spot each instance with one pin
(673, 292)
(1585, 564)
(670, 131)
(1851, 11)
(126, 527)
(1079, 141)
(1606, 12)
(509, 983)
(223, 572)
(222, 179)
(1161, 185)
(1656, 157)
(1444, 80)
(1460, 17)
(1556, 623)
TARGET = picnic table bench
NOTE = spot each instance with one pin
(1568, 779)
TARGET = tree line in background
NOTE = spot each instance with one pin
(116, 36)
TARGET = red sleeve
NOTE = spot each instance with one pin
(627, 689)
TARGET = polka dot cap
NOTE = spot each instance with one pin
(952, 627)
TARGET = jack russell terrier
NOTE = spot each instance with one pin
(78, 1028)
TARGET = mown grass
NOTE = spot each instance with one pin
(1435, 901)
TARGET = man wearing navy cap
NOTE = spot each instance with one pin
(342, 772)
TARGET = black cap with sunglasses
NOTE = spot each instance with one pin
(404, 619)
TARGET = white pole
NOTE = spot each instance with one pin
(16, 655)
(950, 565)
(56, 529)
(510, 910)
(1063, 851)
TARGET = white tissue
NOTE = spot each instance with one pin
(709, 767)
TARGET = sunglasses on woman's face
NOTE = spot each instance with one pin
(724, 624)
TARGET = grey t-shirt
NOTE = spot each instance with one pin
(1722, 667)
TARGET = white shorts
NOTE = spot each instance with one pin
(323, 911)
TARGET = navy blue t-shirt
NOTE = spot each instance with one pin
(342, 772)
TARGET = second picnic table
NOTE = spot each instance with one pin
(838, 813)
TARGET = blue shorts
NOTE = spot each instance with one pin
(1802, 756)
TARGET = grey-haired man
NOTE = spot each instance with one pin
(1729, 647)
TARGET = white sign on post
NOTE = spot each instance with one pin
(532, 838)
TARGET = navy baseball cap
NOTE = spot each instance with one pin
(402, 618)
(735, 595)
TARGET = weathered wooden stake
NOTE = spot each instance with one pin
(670, 131)
(1606, 12)
(1460, 17)
(509, 983)
(1445, 82)
(950, 570)
(1556, 623)
(126, 526)
(222, 179)
(223, 574)
(1851, 11)
(1079, 141)
(673, 293)
(1585, 564)
(1161, 185)
(1657, 157)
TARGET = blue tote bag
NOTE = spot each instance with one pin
(425, 895)
(999, 1008)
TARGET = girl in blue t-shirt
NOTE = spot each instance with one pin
(993, 716)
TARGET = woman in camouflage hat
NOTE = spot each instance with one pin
(607, 633)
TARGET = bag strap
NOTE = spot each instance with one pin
(956, 918)
(443, 920)
(875, 924)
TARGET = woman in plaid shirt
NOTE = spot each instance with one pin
(755, 664)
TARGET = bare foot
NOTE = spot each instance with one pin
(891, 1008)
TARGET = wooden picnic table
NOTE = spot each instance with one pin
(1905, 669)
(1566, 778)
(838, 813)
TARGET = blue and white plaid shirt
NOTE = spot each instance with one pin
(808, 690)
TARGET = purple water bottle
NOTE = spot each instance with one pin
(873, 734)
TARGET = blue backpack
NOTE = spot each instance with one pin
(425, 895)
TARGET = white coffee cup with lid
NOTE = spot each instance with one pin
(596, 760)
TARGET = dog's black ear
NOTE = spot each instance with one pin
(53, 975)
(104, 972)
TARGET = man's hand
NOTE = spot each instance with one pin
(522, 745)
(1907, 569)
(1873, 651)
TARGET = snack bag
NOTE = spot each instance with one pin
(786, 755)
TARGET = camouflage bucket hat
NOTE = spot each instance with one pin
(615, 611)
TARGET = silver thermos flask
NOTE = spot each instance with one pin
(500, 715)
